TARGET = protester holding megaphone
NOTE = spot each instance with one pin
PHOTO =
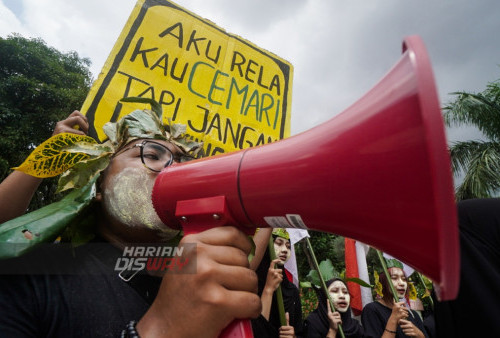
(70, 290)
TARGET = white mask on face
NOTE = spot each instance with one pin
(398, 279)
(340, 296)
(127, 198)
(282, 249)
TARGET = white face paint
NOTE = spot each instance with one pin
(399, 281)
(128, 199)
(282, 249)
(340, 296)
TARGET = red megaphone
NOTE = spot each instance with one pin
(379, 172)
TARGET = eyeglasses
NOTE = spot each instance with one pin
(154, 156)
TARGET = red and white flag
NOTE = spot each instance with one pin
(355, 267)
(296, 235)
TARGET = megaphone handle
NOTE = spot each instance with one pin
(201, 215)
(239, 328)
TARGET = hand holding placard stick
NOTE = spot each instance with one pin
(323, 284)
(389, 282)
(279, 294)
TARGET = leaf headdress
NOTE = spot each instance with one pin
(281, 232)
(79, 160)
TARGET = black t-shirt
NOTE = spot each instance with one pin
(62, 292)
(316, 327)
(291, 301)
(476, 310)
(375, 316)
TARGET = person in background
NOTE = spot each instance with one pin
(17, 189)
(322, 322)
(386, 318)
(271, 275)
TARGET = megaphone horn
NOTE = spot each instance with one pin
(379, 172)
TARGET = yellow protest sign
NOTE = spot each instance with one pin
(230, 93)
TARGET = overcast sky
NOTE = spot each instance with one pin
(339, 48)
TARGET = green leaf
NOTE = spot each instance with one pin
(177, 129)
(313, 277)
(155, 106)
(50, 158)
(359, 282)
(110, 131)
(83, 172)
(251, 255)
(327, 272)
(91, 149)
(44, 224)
(139, 124)
(305, 285)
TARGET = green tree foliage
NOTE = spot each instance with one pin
(325, 246)
(329, 246)
(38, 87)
(478, 160)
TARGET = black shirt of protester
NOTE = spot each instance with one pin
(291, 299)
(317, 324)
(316, 327)
(58, 291)
(375, 316)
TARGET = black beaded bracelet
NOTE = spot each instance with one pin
(130, 331)
(390, 331)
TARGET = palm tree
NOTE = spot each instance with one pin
(479, 160)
